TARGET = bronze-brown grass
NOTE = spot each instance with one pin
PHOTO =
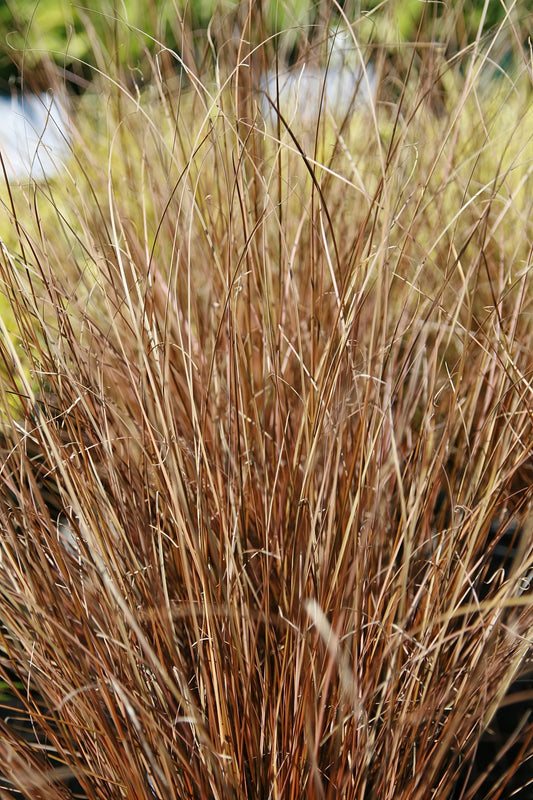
(264, 394)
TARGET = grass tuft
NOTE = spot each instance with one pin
(266, 392)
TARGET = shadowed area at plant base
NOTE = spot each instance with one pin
(52, 778)
(503, 749)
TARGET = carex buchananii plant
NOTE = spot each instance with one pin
(266, 423)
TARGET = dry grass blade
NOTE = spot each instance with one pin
(267, 439)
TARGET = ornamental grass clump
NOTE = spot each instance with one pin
(266, 394)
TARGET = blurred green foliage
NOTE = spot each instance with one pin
(74, 35)
(79, 38)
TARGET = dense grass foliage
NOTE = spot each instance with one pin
(266, 393)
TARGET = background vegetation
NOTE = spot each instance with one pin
(266, 478)
(31, 30)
